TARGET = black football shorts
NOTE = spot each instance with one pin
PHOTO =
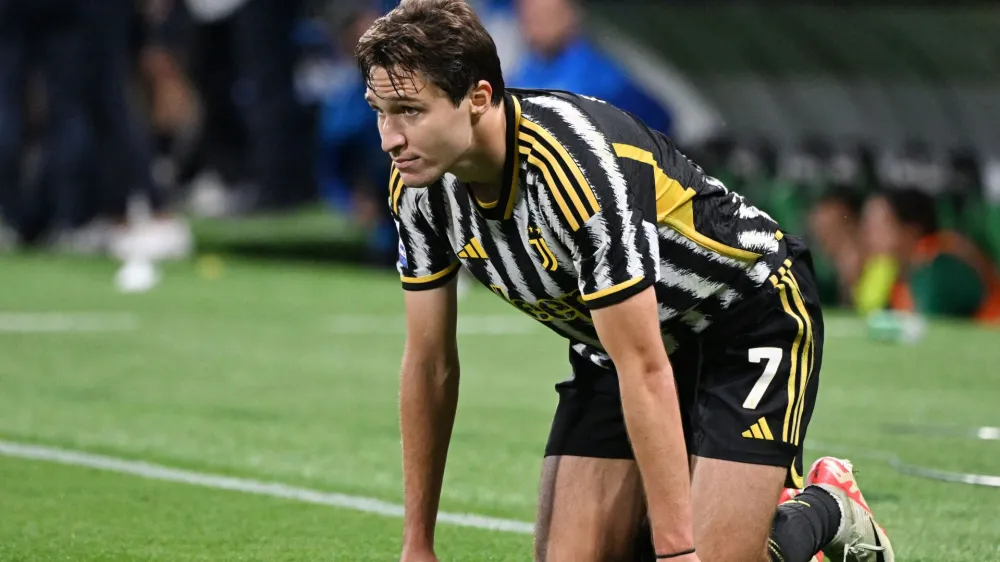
(747, 385)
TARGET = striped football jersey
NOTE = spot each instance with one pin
(594, 208)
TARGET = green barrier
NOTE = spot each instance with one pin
(991, 231)
(950, 217)
(826, 279)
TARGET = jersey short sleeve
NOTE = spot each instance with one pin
(615, 259)
(425, 261)
(615, 251)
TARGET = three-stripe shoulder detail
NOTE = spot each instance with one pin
(573, 194)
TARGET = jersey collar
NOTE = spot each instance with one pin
(503, 207)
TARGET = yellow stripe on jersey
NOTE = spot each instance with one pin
(807, 359)
(670, 194)
(490, 205)
(556, 192)
(682, 220)
(395, 188)
(675, 205)
(786, 429)
(584, 191)
(512, 192)
(565, 186)
(431, 277)
(613, 289)
(797, 481)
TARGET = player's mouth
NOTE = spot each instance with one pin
(404, 163)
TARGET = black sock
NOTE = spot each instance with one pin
(803, 526)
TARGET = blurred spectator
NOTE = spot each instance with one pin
(913, 264)
(123, 140)
(834, 227)
(242, 64)
(501, 19)
(47, 35)
(352, 170)
(561, 58)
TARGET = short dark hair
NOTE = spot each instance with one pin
(443, 40)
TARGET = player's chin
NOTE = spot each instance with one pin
(419, 178)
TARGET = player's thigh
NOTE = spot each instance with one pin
(588, 509)
(590, 501)
(760, 376)
(733, 504)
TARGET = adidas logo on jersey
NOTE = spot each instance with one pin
(759, 430)
(473, 250)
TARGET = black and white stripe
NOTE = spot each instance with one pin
(583, 141)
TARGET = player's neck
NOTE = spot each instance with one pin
(482, 166)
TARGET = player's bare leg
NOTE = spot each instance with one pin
(588, 510)
(733, 504)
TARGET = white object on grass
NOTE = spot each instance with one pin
(137, 276)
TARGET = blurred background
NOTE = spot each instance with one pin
(165, 129)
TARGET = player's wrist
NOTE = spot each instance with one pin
(678, 542)
(677, 556)
(417, 554)
(418, 539)
(417, 550)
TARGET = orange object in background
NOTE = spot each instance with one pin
(946, 242)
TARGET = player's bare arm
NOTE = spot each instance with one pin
(630, 333)
(428, 396)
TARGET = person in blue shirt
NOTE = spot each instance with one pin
(560, 57)
(351, 167)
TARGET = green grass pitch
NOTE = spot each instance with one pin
(287, 373)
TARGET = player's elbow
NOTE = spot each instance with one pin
(650, 377)
(647, 361)
(438, 368)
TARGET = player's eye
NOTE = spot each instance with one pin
(410, 111)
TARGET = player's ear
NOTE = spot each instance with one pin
(480, 98)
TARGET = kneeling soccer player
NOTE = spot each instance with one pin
(695, 334)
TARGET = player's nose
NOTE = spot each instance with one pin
(392, 141)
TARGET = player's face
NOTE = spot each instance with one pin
(421, 129)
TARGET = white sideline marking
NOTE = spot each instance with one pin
(245, 485)
(468, 324)
(63, 322)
